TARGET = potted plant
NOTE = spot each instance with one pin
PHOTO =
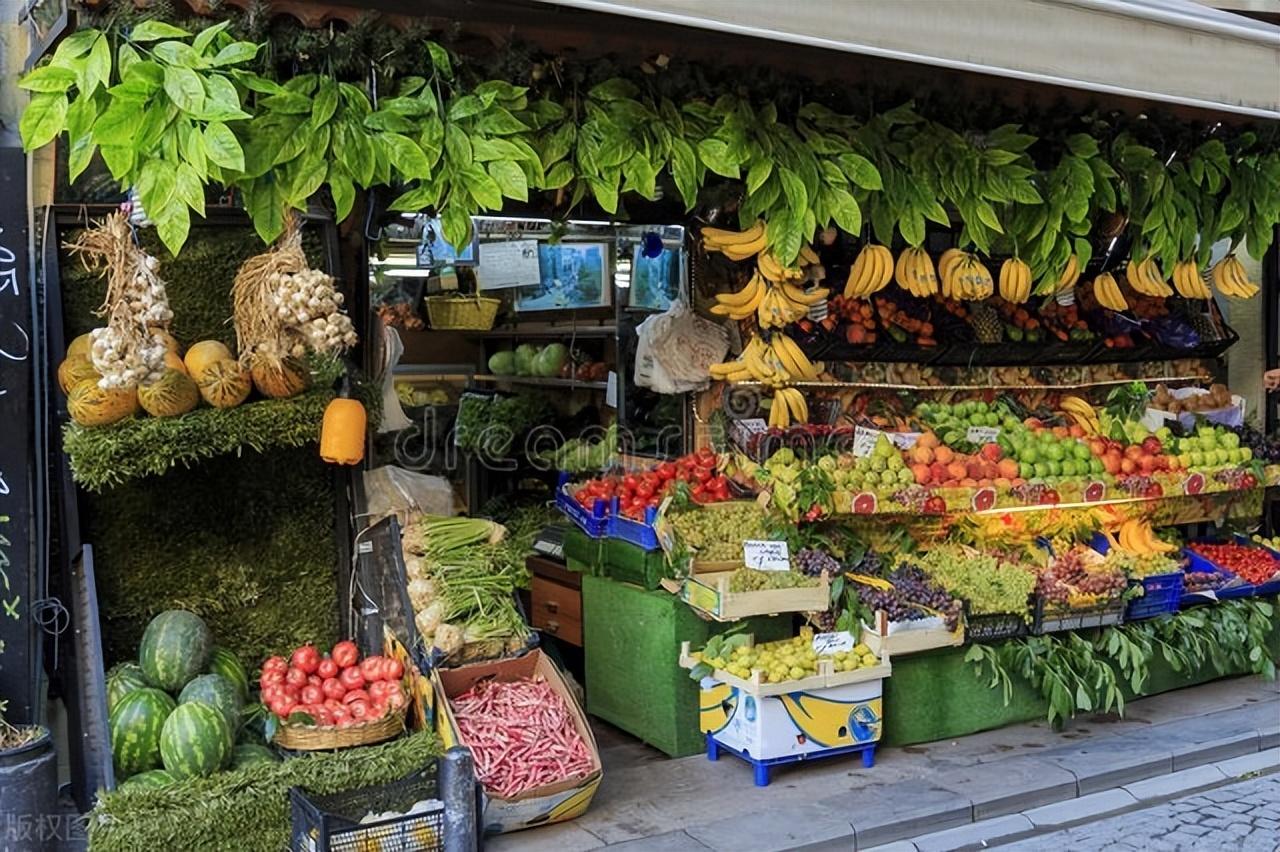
(28, 763)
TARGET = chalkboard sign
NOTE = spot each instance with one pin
(16, 360)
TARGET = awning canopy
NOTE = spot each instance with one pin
(1170, 51)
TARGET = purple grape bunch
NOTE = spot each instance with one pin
(1204, 581)
(813, 562)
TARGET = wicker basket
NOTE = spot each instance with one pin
(307, 738)
(465, 313)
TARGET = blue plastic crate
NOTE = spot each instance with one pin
(594, 523)
(1161, 595)
(1196, 562)
(1271, 587)
(763, 768)
(640, 533)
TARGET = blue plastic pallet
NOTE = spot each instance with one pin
(763, 767)
(594, 523)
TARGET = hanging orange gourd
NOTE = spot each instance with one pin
(342, 432)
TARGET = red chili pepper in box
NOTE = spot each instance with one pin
(1251, 564)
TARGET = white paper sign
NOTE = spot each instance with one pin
(982, 434)
(766, 555)
(508, 264)
(904, 440)
(611, 390)
(828, 644)
(742, 430)
(864, 440)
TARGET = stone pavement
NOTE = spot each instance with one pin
(1243, 817)
(694, 804)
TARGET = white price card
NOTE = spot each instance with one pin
(508, 264)
(903, 440)
(982, 434)
(827, 644)
(766, 555)
(611, 390)
(742, 430)
(864, 440)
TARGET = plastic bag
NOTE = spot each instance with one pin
(393, 416)
(391, 490)
(675, 350)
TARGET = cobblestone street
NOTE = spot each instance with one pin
(1243, 816)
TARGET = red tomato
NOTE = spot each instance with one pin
(312, 695)
(283, 706)
(702, 474)
(292, 691)
(270, 678)
(393, 668)
(328, 668)
(345, 653)
(296, 677)
(333, 705)
(270, 693)
(630, 482)
(358, 709)
(352, 678)
(275, 664)
(306, 658)
(371, 668)
(378, 689)
(345, 722)
(355, 695)
(666, 470)
(333, 688)
(395, 700)
(645, 491)
(314, 680)
(377, 710)
(323, 717)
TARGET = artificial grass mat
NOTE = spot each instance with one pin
(245, 810)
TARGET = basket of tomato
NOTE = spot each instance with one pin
(1255, 565)
(334, 700)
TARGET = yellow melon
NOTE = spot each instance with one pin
(202, 354)
(74, 370)
(280, 379)
(90, 405)
(172, 394)
(80, 346)
(224, 383)
(174, 361)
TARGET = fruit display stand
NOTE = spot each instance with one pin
(909, 637)
(631, 639)
(712, 595)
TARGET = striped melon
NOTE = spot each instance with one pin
(136, 727)
(174, 361)
(74, 370)
(175, 647)
(121, 680)
(280, 379)
(251, 754)
(202, 354)
(90, 405)
(81, 346)
(224, 383)
(169, 396)
(220, 694)
(195, 740)
(152, 778)
(227, 664)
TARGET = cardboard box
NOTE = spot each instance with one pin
(805, 722)
(557, 802)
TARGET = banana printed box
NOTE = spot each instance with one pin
(793, 724)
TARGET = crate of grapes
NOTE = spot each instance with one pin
(731, 595)
(1051, 617)
(911, 612)
(994, 626)
(1205, 582)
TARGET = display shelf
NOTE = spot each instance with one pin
(537, 381)
(840, 385)
(545, 332)
(104, 456)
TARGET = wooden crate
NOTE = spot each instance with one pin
(826, 677)
(709, 593)
(885, 638)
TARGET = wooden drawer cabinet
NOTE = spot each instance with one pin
(556, 601)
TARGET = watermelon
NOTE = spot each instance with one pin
(250, 754)
(135, 727)
(176, 647)
(227, 664)
(121, 680)
(220, 694)
(195, 740)
(150, 778)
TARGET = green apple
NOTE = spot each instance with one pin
(1221, 456)
(1027, 470)
(1245, 454)
(1043, 469)
(870, 478)
(827, 463)
(1164, 433)
(1196, 459)
(1230, 440)
(1096, 466)
(1070, 468)
(905, 477)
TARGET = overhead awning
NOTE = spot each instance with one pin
(1169, 51)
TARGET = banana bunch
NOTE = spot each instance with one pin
(1108, 294)
(776, 363)
(735, 245)
(788, 407)
(1189, 282)
(774, 271)
(1136, 537)
(743, 303)
(1082, 413)
(1070, 275)
(964, 276)
(1231, 280)
(775, 304)
(914, 272)
(871, 272)
(1146, 278)
(1015, 281)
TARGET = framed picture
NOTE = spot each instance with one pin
(573, 276)
(655, 281)
(434, 252)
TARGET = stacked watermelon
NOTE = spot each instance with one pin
(156, 740)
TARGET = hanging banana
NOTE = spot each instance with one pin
(1231, 280)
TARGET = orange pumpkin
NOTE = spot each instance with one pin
(342, 432)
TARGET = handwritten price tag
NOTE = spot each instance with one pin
(864, 440)
(982, 434)
(766, 555)
(827, 644)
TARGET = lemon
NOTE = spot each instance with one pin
(796, 672)
(869, 659)
(861, 649)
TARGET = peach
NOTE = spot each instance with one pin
(928, 440)
(1133, 451)
(944, 454)
(991, 452)
(969, 482)
(975, 469)
(1113, 461)
(1128, 466)
(1008, 468)
(956, 470)
(1060, 431)
(938, 471)
(1075, 431)
(921, 473)
(921, 455)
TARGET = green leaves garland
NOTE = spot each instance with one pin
(172, 112)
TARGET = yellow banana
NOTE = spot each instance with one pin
(1108, 293)
(1015, 277)
(925, 274)
(1070, 274)
(1137, 280)
(799, 296)
(719, 238)
(1230, 278)
(744, 251)
(794, 358)
(798, 409)
(808, 255)
(863, 274)
(900, 274)
(946, 269)
(744, 298)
